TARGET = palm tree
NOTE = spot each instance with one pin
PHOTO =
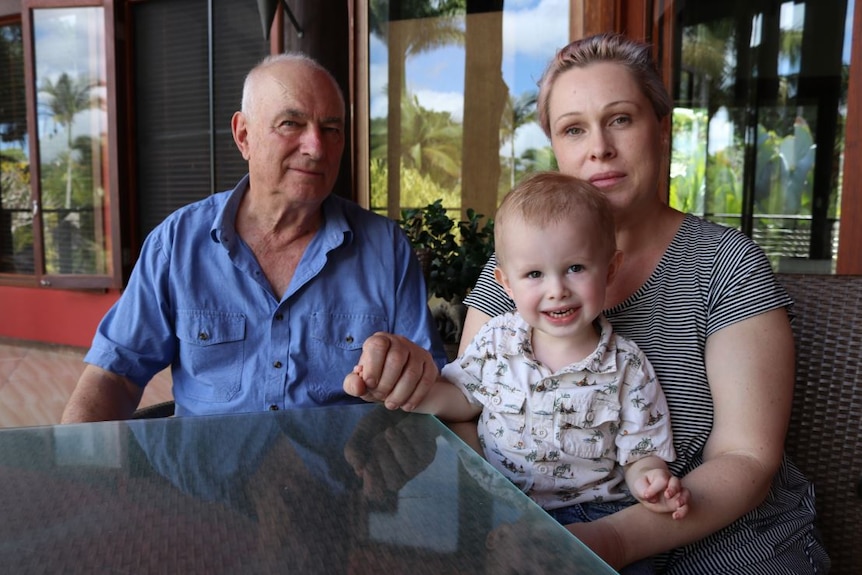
(67, 97)
(519, 111)
(422, 25)
(430, 142)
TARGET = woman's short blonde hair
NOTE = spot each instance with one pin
(616, 48)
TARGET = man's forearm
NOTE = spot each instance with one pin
(101, 396)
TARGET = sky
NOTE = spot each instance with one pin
(532, 32)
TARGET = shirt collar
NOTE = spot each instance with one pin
(223, 230)
(334, 230)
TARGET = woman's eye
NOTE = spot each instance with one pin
(573, 131)
(621, 120)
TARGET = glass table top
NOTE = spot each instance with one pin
(351, 489)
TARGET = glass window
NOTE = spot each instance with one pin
(758, 131)
(72, 132)
(452, 85)
(16, 214)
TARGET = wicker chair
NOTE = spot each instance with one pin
(825, 435)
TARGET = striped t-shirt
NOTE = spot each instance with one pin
(709, 277)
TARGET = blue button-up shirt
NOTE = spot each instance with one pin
(198, 301)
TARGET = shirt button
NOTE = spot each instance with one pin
(279, 316)
(273, 407)
(276, 364)
(349, 339)
(203, 336)
(589, 417)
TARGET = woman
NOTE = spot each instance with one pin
(702, 302)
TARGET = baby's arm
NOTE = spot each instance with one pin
(448, 402)
(445, 400)
(656, 488)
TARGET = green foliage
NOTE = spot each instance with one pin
(416, 189)
(452, 254)
(712, 183)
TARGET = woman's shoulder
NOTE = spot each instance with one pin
(694, 226)
(713, 246)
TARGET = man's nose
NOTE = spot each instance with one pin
(311, 141)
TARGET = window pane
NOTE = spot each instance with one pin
(453, 84)
(185, 97)
(16, 216)
(72, 131)
(758, 132)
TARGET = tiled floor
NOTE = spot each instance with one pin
(37, 379)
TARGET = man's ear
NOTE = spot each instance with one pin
(501, 278)
(614, 265)
(239, 128)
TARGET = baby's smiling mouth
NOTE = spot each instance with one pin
(560, 312)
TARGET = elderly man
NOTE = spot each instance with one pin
(267, 295)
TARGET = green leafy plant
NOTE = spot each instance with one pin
(452, 255)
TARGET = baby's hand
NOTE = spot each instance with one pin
(354, 384)
(662, 492)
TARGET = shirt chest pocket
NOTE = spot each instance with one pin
(346, 332)
(336, 342)
(212, 351)
(588, 427)
(503, 422)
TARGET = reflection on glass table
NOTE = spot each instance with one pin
(353, 489)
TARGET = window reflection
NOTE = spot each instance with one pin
(758, 132)
(72, 131)
(452, 99)
(16, 216)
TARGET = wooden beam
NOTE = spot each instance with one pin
(850, 232)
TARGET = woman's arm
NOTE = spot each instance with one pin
(750, 366)
(472, 324)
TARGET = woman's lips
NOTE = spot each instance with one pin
(606, 179)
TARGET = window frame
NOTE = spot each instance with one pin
(114, 277)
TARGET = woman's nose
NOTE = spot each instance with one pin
(601, 146)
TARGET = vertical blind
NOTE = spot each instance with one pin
(191, 57)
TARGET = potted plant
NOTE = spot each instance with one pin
(452, 255)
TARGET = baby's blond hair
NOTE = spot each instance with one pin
(552, 197)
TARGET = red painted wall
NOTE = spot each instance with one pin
(52, 316)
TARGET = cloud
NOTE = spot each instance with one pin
(537, 31)
(452, 102)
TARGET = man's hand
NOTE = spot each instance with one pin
(393, 370)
